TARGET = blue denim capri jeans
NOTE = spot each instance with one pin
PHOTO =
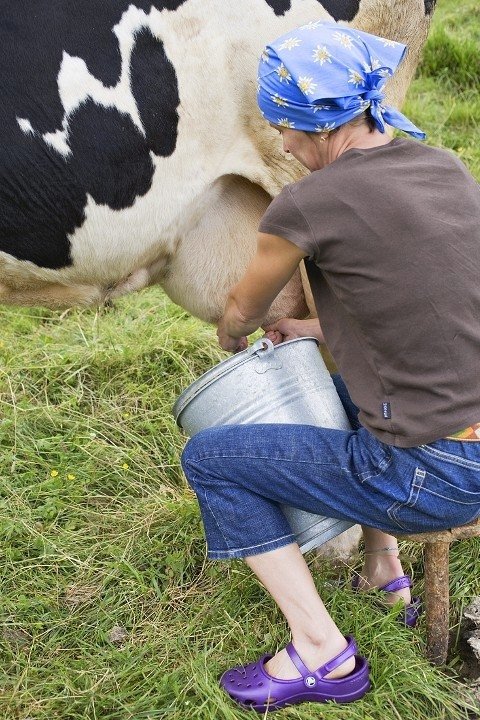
(241, 475)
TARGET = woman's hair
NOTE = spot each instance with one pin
(364, 119)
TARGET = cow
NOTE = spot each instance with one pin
(132, 149)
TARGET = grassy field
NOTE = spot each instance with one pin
(108, 609)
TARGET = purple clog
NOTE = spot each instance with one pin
(412, 611)
(252, 687)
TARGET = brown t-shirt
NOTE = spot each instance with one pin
(393, 241)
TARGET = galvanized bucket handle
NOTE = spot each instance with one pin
(264, 349)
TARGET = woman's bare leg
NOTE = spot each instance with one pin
(381, 563)
(284, 573)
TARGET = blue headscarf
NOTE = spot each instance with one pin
(322, 75)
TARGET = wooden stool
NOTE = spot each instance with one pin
(437, 591)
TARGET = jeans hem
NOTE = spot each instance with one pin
(252, 550)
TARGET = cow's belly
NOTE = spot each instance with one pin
(197, 258)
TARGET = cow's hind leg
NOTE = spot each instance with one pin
(52, 295)
(213, 255)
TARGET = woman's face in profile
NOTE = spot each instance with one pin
(307, 148)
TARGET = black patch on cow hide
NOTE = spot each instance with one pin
(338, 9)
(155, 89)
(166, 4)
(279, 7)
(42, 193)
(39, 204)
(341, 9)
(122, 169)
(429, 6)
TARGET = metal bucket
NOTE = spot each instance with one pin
(287, 383)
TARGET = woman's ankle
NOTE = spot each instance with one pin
(385, 563)
(315, 652)
(379, 572)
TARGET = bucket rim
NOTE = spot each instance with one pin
(218, 371)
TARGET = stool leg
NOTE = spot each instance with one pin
(437, 599)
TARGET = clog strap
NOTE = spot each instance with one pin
(323, 670)
(398, 584)
(349, 652)
(297, 661)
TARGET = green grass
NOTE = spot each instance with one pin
(98, 529)
(120, 544)
(444, 99)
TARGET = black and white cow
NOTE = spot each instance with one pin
(132, 151)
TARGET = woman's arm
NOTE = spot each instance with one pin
(248, 302)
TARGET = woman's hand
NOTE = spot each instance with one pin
(290, 328)
(231, 344)
(229, 330)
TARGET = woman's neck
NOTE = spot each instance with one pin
(355, 137)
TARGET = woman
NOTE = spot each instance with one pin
(389, 230)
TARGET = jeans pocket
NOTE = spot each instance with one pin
(437, 503)
(374, 455)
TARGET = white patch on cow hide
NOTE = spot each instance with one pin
(76, 83)
(58, 140)
(132, 20)
(26, 126)
(112, 244)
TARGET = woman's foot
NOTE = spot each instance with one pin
(381, 568)
(253, 687)
(314, 656)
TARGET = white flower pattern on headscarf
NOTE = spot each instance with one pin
(278, 100)
(306, 84)
(283, 73)
(285, 122)
(290, 43)
(321, 55)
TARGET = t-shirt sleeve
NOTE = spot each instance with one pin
(285, 219)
